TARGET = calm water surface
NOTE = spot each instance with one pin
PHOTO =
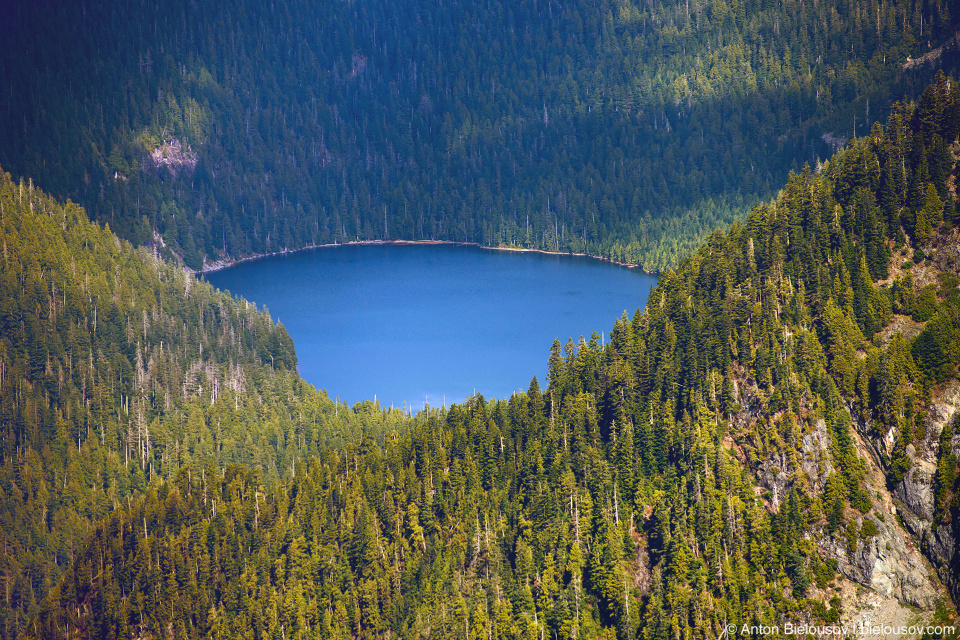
(432, 323)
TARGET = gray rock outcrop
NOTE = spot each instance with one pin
(888, 562)
(916, 493)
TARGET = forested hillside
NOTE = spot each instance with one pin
(618, 128)
(737, 450)
(116, 370)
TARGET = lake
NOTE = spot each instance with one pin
(415, 324)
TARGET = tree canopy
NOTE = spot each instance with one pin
(624, 129)
(653, 488)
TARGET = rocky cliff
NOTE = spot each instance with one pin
(883, 556)
(914, 497)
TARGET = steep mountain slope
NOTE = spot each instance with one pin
(925, 454)
(618, 128)
(116, 369)
(753, 433)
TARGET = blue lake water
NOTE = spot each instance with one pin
(410, 324)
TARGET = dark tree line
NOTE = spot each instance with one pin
(117, 369)
(628, 130)
(620, 500)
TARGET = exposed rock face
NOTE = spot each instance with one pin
(888, 562)
(174, 156)
(911, 557)
(916, 492)
(867, 608)
(946, 249)
(776, 474)
(835, 141)
(932, 58)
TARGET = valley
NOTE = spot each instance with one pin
(770, 442)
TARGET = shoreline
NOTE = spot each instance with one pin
(219, 265)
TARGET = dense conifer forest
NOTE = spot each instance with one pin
(662, 485)
(624, 129)
(116, 370)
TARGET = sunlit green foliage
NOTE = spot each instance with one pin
(652, 490)
(618, 502)
(614, 127)
(116, 369)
